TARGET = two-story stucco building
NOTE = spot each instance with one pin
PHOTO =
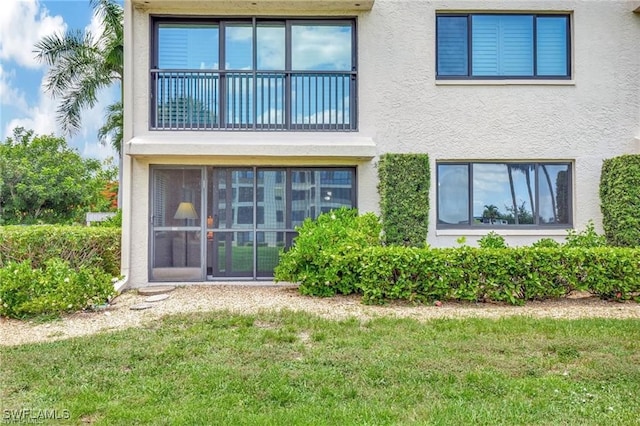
(244, 117)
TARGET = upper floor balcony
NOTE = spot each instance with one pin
(253, 74)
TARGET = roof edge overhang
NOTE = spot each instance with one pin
(256, 6)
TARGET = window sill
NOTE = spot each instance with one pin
(538, 232)
(506, 82)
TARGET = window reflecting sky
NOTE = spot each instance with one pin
(315, 99)
(497, 186)
(323, 47)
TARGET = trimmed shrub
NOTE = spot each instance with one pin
(546, 243)
(403, 186)
(512, 275)
(620, 200)
(340, 252)
(324, 257)
(587, 238)
(80, 246)
(492, 240)
(51, 289)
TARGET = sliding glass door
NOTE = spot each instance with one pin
(246, 225)
(250, 216)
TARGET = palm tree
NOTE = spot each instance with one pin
(80, 64)
(112, 128)
(491, 212)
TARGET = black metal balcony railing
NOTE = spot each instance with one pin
(253, 100)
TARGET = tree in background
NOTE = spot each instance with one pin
(81, 63)
(43, 180)
(105, 189)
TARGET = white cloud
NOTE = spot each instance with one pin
(40, 118)
(325, 47)
(22, 24)
(9, 95)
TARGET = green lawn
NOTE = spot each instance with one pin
(287, 369)
(242, 258)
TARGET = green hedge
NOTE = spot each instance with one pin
(512, 275)
(80, 246)
(51, 289)
(404, 198)
(620, 200)
(340, 252)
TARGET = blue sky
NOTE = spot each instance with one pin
(22, 100)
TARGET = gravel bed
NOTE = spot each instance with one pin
(249, 299)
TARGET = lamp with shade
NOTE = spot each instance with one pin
(186, 211)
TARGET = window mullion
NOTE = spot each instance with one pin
(255, 75)
(469, 46)
(470, 195)
(255, 219)
(536, 196)
(535, 45)
(222, 101)
(287, 76)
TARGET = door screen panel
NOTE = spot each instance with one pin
(176, 206)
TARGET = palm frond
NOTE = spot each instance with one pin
(111, 15)
(81, 94)
(112, 128)
(81, 64)
(50, 48)
(70, 66)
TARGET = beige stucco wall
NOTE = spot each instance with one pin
(592, 117)
(402, 108)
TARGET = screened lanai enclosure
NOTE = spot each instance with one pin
(211, 223)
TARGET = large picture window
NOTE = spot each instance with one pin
(503, 46)
(254, 74)
(504, 194)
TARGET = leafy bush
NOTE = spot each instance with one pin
(404, 198)
(54, 288)
(113, 222)
(587, 238)
(620, 200)
(546, 243)
(324, 257)
(80, 246)
(512, 275)
(492, 240)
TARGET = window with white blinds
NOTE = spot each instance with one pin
(502, 46)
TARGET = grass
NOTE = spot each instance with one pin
(294, 368)
(242, 259)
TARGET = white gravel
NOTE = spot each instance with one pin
(249, 299)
